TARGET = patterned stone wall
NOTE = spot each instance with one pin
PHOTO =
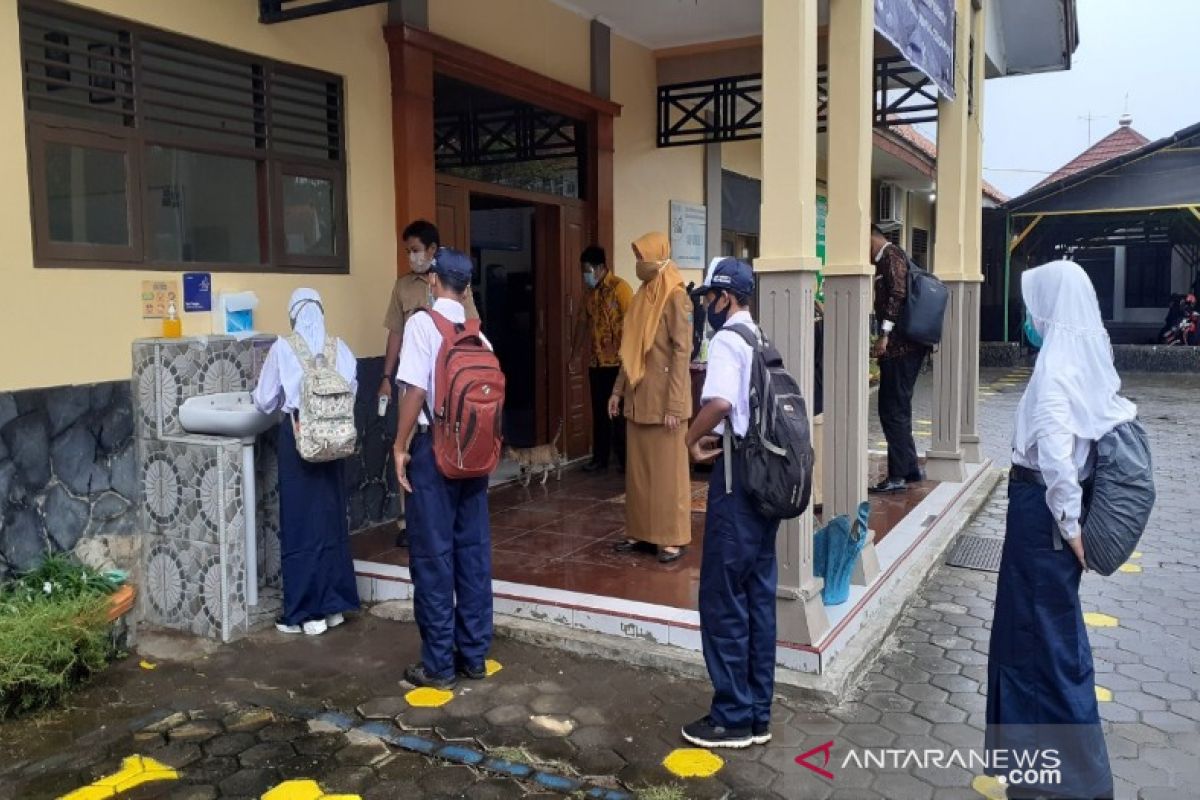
(68, 470)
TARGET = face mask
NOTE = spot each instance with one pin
(590, 279)
(648, 269)
(418, 263)
(716, 319)
(1031, 333)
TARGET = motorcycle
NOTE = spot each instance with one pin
(1182, 326)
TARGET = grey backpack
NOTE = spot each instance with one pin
(325, 430)
(1122, 497)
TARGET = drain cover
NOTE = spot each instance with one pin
(977, 552)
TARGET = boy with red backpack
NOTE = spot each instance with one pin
(447, 443)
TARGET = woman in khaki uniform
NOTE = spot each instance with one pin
(655, 386)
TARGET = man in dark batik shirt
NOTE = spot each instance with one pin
(900, 361)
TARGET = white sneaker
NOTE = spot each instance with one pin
(315, 628)
(279, 626)
(333, 620)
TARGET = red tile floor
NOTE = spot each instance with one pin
(561, 536)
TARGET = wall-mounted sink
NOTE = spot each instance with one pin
(226, 414)
(234, 414)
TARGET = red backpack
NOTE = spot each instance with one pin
(467, 413)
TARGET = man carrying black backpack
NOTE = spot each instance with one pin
(900, 360)
(738, 572)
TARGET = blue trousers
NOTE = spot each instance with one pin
(450, 558)
(1041, 684)
(738, 575)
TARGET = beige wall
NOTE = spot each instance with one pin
(75, 326)
(646, 178)
(744, 158)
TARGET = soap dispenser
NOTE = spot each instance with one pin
(172, 327)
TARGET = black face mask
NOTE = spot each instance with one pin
(717, 319)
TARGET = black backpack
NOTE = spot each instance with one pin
(776, 454)
(924, 307)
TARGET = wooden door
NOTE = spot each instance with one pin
(572, 374)
(454, 216)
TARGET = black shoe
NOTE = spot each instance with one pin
(706, 733)
(889, 486)
(418, 676)
(627, 546)
(402, 539)
(665, 557)
(760, 733)
(595, 466)
(472, 673)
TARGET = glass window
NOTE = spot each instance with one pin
(309, 216)
(201, 207)
(86, 195)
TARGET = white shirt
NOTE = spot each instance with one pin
(727, 377)
(279, 382)
(1065, 463)
(422, 342)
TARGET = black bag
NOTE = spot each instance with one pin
(776, 454)
(1121, 498)
(924, 307)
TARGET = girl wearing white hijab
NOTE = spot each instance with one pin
(314, 536)
(1041, 684)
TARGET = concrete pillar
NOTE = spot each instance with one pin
(848, 268)
(712, 201)
(973, 249)
(787, 266)
(955, 211)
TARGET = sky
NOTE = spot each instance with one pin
(1143, 50)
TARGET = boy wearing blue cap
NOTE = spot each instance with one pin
(449, 533)
(738, 571)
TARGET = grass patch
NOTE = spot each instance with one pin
(520, 755)
(670, 791)
(54, 633)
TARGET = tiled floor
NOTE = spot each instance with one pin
(561, 536)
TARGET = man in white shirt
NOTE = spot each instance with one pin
(738, 571)
(449, 533)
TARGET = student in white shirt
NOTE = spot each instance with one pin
(738, 570)
(314, 537)
(450, 547)
(1041, 682)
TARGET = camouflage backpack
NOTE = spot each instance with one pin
(325, 429)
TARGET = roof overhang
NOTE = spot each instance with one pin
(1025, 37)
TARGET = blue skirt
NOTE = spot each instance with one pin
(314, 536)
(1043, 722)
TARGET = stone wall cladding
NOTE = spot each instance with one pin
(1127, 357)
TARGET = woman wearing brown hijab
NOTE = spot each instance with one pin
(655, 386)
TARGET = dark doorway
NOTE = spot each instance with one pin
(1099, 264)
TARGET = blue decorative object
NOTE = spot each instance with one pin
(835, 549)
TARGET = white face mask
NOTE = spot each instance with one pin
(418, 263)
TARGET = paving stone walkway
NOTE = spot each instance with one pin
(612, 726)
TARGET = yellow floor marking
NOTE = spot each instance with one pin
(989, 787)
(881, 444)
(491, 666)
(1103, 695)
(147, 665)
(304, 790)
(427, 697)
(1136, 554)
(135, 770)
(692, 762)
(1094, 619)
(1135, 568)
(924, 422)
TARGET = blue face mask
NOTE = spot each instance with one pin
(1035, 338)
(590, 279)
(716, 319)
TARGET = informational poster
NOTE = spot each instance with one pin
(197, 291)
(157, 297)
(923, 32)
(822, 212)
(689, 223)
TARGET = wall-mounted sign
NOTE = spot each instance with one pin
(157, 297)
(689, 223)
(923, 32)
(197, 291)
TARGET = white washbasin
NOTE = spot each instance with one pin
(225, 414)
